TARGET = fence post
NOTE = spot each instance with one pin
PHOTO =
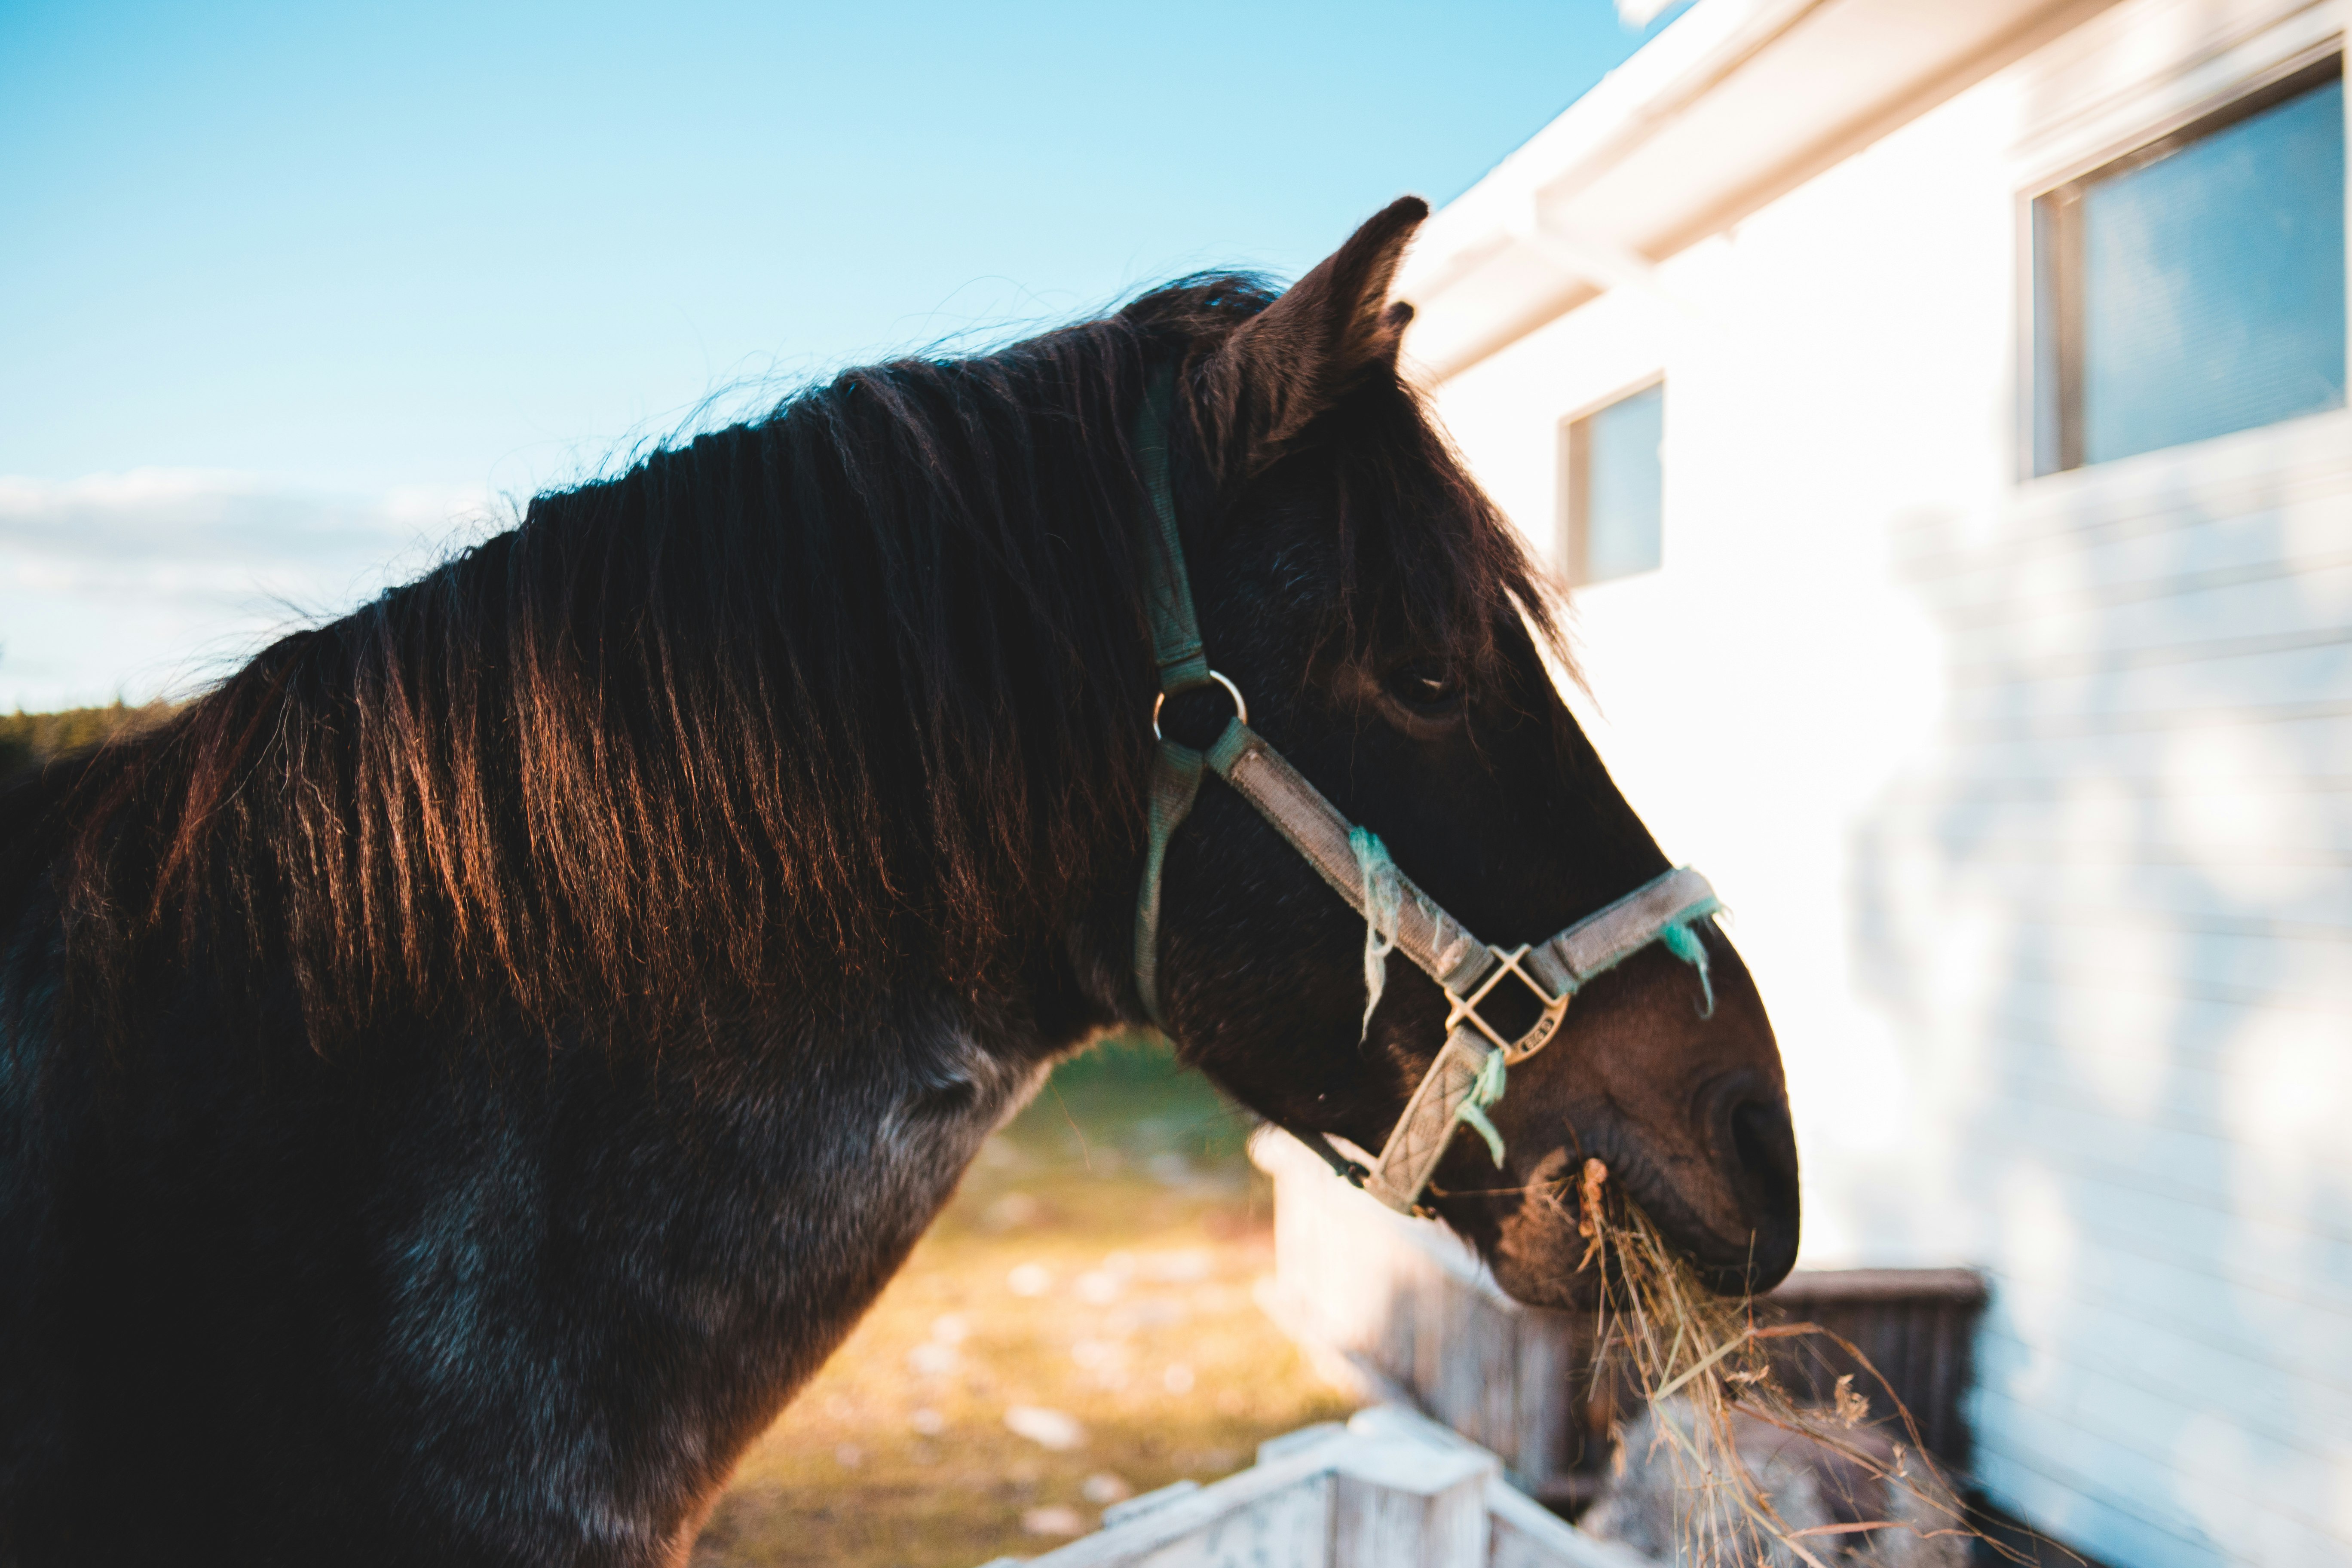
(1409, 1505)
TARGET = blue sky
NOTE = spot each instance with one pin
(293, 293)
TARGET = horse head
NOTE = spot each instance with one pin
(1373, 610)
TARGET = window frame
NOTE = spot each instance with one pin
(1572, 449)
(2051, 283)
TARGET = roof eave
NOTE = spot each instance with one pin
(1730, 106)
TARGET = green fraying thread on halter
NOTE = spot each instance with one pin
(1382, 896)
(1685, 943)
(1483, 1092)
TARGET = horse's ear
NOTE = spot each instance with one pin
(1300, 354)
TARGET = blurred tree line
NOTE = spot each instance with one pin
(28, 738)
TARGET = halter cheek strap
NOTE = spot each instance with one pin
(1469, 1073)
(1176, 649)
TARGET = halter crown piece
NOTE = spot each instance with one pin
(1469, 1072)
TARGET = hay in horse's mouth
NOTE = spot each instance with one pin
(1700, 1362)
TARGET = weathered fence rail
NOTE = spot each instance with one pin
(1389, 1489)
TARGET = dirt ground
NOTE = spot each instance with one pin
(1077, 1327)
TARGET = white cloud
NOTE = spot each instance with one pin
(156, 581)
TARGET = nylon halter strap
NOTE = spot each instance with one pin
(1469, 1071)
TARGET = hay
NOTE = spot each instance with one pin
(1714, 1409)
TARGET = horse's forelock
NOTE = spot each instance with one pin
(1428, 565)
(1422, 541)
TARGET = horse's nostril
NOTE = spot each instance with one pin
(1766, 1147)
(1763, 1150)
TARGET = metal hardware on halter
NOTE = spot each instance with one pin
(1240, 707)
(1465, 1009)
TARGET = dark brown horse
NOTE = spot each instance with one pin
(460, 1076)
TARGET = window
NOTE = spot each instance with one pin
(1614, 485)
(2195, 286)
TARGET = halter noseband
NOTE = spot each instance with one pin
(1468, 1074)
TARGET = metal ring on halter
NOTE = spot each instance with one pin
(1241, 708)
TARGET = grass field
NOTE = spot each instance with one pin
(1091, 1282)
(28, 738)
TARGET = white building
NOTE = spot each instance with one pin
(1982, 625)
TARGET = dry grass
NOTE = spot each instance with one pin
(1122, 1201)
(1703, 1363)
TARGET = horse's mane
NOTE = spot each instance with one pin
(779, 709)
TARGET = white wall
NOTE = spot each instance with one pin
(2032, 799)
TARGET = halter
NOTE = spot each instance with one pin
(1468, 1075)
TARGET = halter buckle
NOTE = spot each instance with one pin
(1465, 1009)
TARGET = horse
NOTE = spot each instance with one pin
(459, 1077)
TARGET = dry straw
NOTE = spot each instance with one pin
(1734, 1441)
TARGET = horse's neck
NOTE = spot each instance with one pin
(831, 1148)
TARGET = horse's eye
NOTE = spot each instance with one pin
(1426, 683)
